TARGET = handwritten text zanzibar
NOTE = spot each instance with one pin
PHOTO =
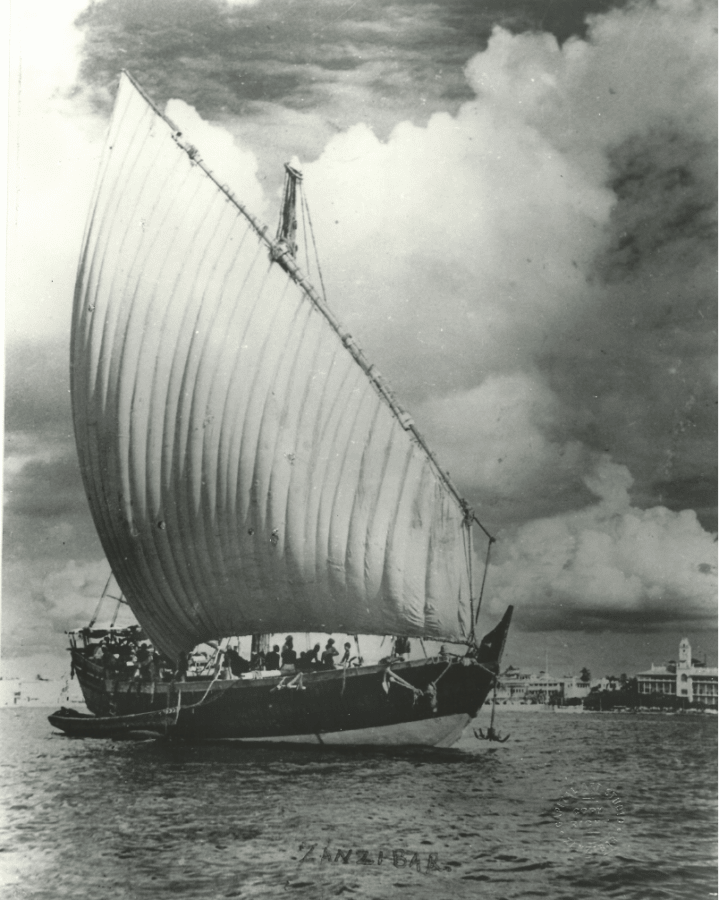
(400, 859)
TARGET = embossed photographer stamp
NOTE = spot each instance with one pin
(590, 817)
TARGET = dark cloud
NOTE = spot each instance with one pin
(666, 190)
(47, 489)
(37, 388)
(605, 652)
(608, 566)
(46, 525)
(40, 605)
(551, 615)
(220, 58)
(698, 492)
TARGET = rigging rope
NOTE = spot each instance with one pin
(430, 691)
(470, 575)
(99, 602)
(314, 243)
(117, 611)
(484, 578)
(303, 205)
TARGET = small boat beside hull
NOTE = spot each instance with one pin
(80, 725)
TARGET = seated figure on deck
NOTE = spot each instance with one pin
(309, 659)
(400, 646)
(237, 665)
(272, 658)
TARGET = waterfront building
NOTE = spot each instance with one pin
(512, 685)
(543, 688)
(684, 679)
(608, 683)
(657, 680)
(525, 686)
(575, 688)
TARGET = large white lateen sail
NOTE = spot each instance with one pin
(246, 468)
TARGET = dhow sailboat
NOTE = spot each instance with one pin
(249, 473)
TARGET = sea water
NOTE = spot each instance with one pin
(589, 805)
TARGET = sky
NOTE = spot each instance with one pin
(514, 205)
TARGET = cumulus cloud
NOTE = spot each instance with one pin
(464, 252)
(540, 301)
(226, 159)
(493, 245)
(506, 440)
(71, 595)
(609, 565)
(41, 605)
(465, 237)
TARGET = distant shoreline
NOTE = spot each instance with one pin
(572, 710)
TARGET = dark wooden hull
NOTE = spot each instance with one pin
(328, 703)
(354, 705)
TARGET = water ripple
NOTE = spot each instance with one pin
(129, 821)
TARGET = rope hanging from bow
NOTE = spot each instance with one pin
(430, 692)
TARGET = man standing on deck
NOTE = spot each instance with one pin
(289, 654)
(328, 655)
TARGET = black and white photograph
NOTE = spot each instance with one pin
(360, 458)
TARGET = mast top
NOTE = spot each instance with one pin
(287, 226)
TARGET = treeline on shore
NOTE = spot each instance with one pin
(627, 696)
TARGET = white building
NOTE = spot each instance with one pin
(695, 684)
(526, 686)
(512, 685)
(575, 688)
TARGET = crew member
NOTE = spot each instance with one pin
(272, 659)
(289, 655)
(328, 655)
